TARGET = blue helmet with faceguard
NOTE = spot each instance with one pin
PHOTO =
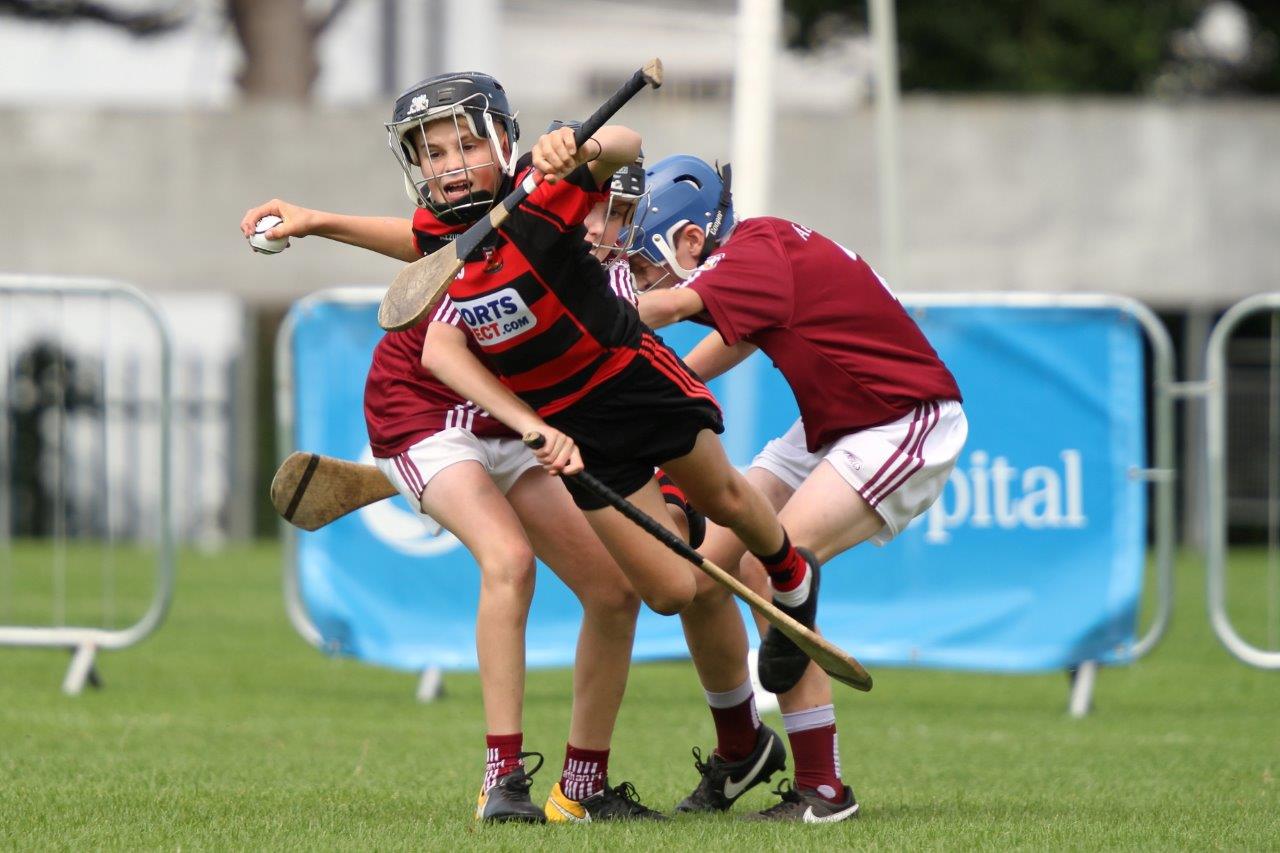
(475, 99)
(682, 190)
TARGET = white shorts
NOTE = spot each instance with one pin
(899, 468)
(504, 458)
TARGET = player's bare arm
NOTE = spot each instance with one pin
(660, 308)
(612, 146)
(713, 357)
(387, 235)
(445, 354)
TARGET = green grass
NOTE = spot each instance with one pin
(225, 731)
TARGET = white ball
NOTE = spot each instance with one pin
(262, 244)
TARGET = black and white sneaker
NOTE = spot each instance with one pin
(508, 799)
(805, 806)
(617, 803)
(723, 782)
(781, 664)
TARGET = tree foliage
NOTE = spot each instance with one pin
(1067, 46)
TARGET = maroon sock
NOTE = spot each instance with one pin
(816, 752)
(737, 723)
(786, 568)
(502, 756)
(585, 771)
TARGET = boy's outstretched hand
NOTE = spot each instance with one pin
(298, 221)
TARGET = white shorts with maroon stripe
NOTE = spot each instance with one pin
(504, 458)
(899, 468)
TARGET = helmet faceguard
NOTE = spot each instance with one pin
(682, 190)
(477, 100)
(626, 188)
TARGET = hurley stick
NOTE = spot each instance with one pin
(837, 663)
(420, 286)
(310, 490)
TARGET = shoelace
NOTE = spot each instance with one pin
(630, 797)
(703, 767)
(787, 792)
(525, 780)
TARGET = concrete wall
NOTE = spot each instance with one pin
(1177, 205)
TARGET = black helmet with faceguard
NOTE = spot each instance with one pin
(476, 99)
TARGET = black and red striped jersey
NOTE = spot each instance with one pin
(540, 306)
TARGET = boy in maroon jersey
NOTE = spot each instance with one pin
(465, 471)
(877, 407)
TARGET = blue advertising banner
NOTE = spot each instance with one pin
(1032, 559)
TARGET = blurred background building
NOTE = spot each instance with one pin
(1046, 145)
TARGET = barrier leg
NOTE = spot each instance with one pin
(1083, 678)
(431, 685)
(81, 670)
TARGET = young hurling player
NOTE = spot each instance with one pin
(471, 475)
(586, 373)
(880, 429)
(589, 375)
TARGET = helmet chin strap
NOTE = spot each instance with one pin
(669, 256)
(508, 164)
(712, 241)
(465, 210)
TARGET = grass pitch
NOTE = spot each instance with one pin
(225, 731)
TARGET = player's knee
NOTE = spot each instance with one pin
(709, 594)
(665, 605)
(730, 505)
(613, 600)
(508, 569)
(672, 599)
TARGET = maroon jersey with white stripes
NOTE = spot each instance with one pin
(621, 281)
(404, 403)
(852, 355)
(541, 306)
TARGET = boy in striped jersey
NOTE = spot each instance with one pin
(467, 473)
(576, 365)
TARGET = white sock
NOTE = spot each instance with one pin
(730, 698)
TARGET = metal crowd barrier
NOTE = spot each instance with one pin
(83, 640)
(1216, 454)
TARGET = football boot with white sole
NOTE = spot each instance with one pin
(723, 782)
(804, 806)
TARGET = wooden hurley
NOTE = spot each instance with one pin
(310, 490)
